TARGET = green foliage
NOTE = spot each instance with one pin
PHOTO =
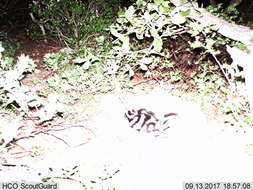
(140, 33)
(240, 45)
(145, 21)
(151, 23)
(231, 14)
(74, 20)
(34, 32)
(7, 51)
(12, 92)
(10, 48)
(76, 81)
(57, 61)
(87, 72)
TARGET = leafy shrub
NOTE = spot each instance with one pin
(56, 61)
(231, 14)
(152, 23)
(12, 92)
(74, 20)
(86, 79)
(10, 48)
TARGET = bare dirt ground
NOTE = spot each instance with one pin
(107, 154)
(94, 148)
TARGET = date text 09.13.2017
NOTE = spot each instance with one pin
(218, 186)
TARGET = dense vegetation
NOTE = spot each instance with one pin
(146, 38)
(105, 45)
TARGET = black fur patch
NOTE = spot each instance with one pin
(144, 120)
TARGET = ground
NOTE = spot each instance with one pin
(92, 147)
